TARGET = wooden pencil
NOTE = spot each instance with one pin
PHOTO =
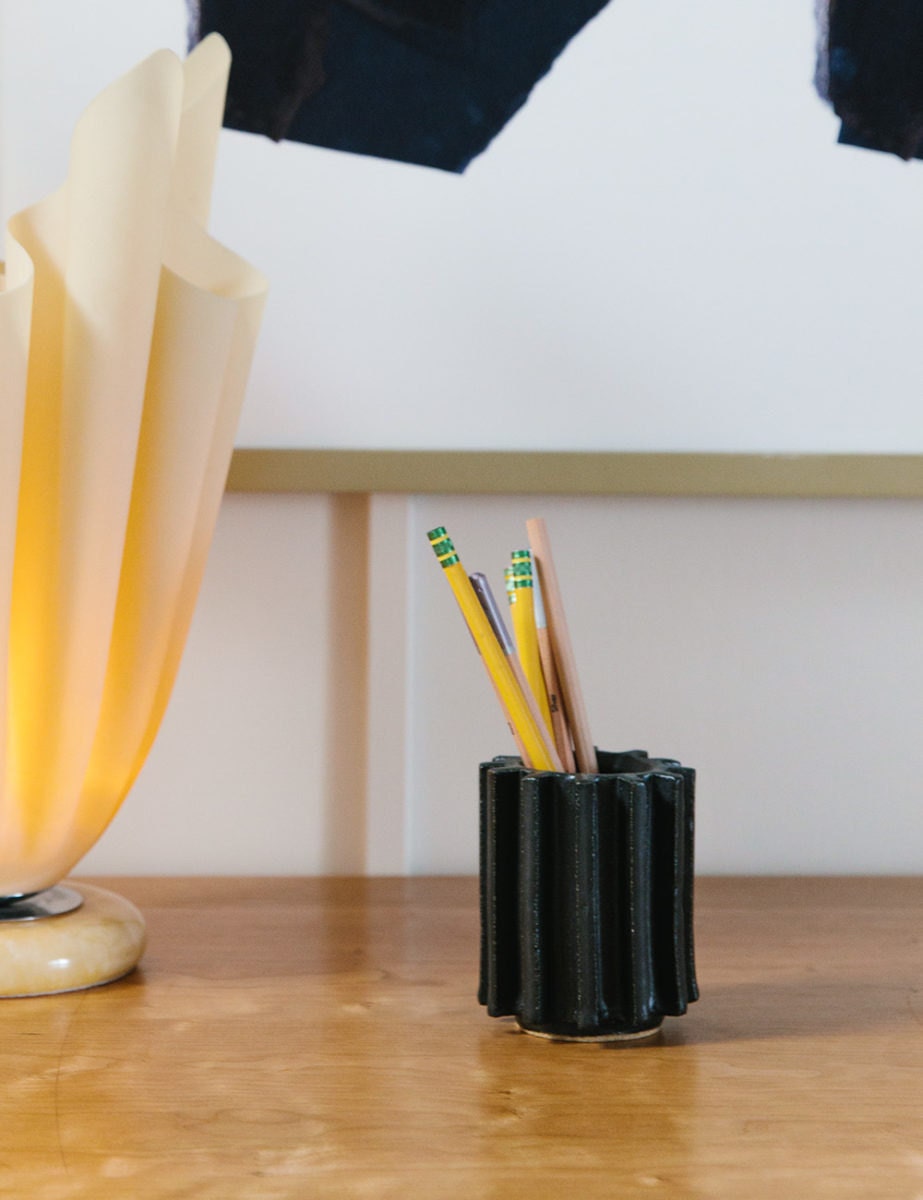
(560, 732)
(575, 709)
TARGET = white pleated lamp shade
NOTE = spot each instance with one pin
(126, 335)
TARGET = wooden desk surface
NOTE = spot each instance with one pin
(321, 1038)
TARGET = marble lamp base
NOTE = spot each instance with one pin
(67, 938)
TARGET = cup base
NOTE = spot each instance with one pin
(636, 1036)
(95, 943)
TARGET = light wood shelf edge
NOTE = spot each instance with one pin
(491, 472)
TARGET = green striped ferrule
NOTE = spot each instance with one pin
(442, 546)
(522, 568)
(510, 584)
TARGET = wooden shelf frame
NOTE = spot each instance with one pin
(492, 472)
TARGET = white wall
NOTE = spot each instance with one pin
(665, 249)
(774, 645)
(237, 780)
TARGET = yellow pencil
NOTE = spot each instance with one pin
(484, 594)
(528, 729)
(522, 610)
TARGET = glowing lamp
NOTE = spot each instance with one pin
(126, 335)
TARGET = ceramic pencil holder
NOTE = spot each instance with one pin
(586, 896)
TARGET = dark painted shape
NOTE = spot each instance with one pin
(874, 74)
(412, 80)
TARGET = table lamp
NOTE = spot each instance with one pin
(126, 335)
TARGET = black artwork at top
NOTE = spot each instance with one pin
(874, 72)
(419, 81)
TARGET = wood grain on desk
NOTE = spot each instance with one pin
(321, 1038)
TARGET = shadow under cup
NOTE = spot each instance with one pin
(586, 886)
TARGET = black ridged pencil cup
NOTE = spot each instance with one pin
(586, 896)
